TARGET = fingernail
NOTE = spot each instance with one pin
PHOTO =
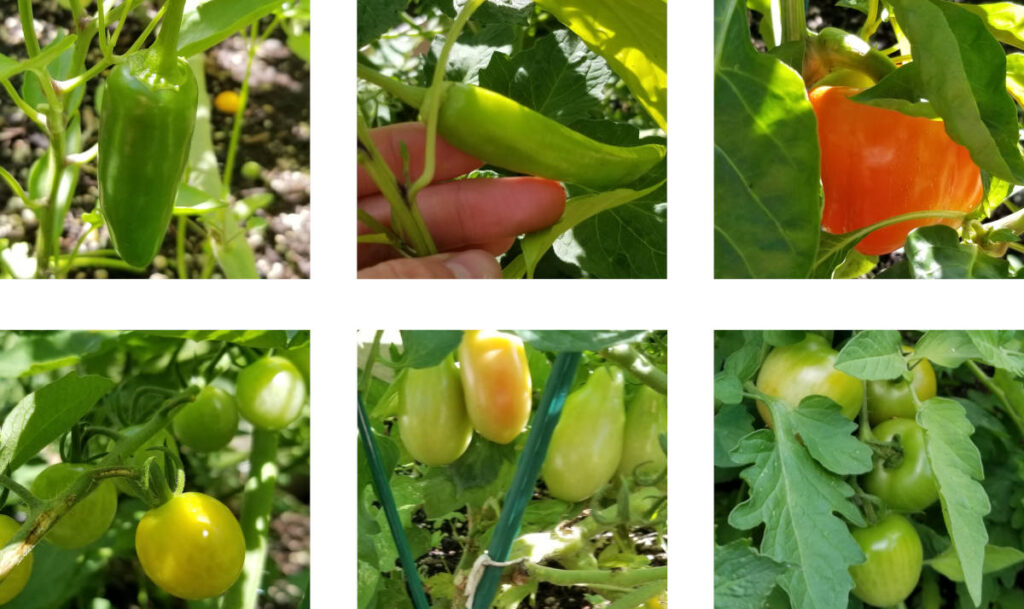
(473, 264)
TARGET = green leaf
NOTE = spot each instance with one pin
(190, 201)
(768, 198)
(743, 578)
(1015, 76)
(874, 355)
(732, 424)
(208, 22)
(957, 466)
(949, 348)
(631, 37)
(962, 71)
(425, 348)
(256, 339)
(47, 413)
(41, 352)
(578, 340)
(796, 499)
(935, 252)
(1004, 19)
(997, 558)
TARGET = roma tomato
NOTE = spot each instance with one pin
(892, 399)
(878, 163)
(496, 383)
(270, 393)
(209, 422)
(586, 446)
(14, 583)
(191, 546)
(89, 519)
(796, 371)
(892, 565)
(907, 484)
(646, 420)
(433, 423)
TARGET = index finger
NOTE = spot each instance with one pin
(449, 161)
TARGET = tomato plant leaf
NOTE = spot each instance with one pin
(41, 352)
(43, 415)
(425, 348)
(826, 434)
(743, 578)
(873, 355)
(949, 348)
(732, 423)
(960, 60)
(728, 388)
(997, 558)
(578, 340)
(796, 499)
(957, 466)
(768, 199)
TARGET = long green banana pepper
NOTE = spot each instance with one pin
(503, 132)
(149, 110)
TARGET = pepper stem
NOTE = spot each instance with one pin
(166, 45)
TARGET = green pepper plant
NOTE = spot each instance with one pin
(907, 491)
(127, 462)
(538, 90)
(594, 529)
(120, 94)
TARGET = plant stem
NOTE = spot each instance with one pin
(625, 356)
(166, 44)
(28, 27)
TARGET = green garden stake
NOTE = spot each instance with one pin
(387, 500)
(519, 494)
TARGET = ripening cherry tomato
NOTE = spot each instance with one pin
(14, 583)
(893, 561)
(892, 399)
(908, 485)
(793, 372)
(878, 163)
(192, 546)
(496, 383)
(433, 423)
(209, 422)
(89, 519)
(646, 421)
(227, 102)
(586, 446)
(271, 392)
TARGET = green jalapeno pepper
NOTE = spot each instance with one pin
(507, 134)
(149, 109)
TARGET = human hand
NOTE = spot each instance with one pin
(471, 221)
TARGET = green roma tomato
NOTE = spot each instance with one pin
(89, 519)
(796, 371)
(14, 583)
(433, 423)
(162, 439)
(191, 546)
(586, 446)
(891, 399)
(646, 420)
(908, 485)
(893, 561)
(209, 422)
(496, 383)
(271, 393)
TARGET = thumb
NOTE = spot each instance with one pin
(470, 264)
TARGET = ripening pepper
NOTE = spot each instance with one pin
(149, 110)
(496, 383)
(433, 423)
(586, 446)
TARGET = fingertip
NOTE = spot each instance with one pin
(470, 264)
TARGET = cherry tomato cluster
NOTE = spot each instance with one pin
(901, 479)
(191, 546)
(490, 392)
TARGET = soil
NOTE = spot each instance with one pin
(275, 135)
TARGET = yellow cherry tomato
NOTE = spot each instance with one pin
(15, 581)
(192, 546)
(227, 102)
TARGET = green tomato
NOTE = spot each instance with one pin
(271, 393)
(646, 420)
(89, 519)
(300, 357)
(209, 422)
(191, 546)
(892, 399)
(162, 438)
(14, 583)
(794, 372)
(433, 424)
(586, 446)
(908, 485)
(892, 565)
